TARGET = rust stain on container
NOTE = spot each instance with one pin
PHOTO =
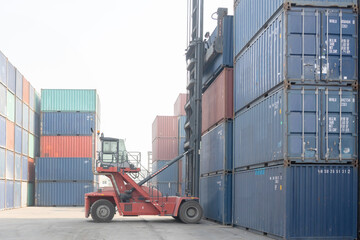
(165, 126)
(10, 135)
(179, 106)
(66, 146)
(217, 101)
(26, 91)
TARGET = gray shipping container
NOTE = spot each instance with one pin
(298, 124)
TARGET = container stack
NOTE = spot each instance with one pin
(67, 146)
(19, 137)
(179, 111)
(164, 149)
(217, 128)
(296, 118)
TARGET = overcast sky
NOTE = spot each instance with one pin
(132, 52)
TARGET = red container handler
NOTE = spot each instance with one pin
(164, 148)
(66, 146)
(217, 101)
(179, 106)
(165, 126)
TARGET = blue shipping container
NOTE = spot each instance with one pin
(298, 202)
(3, 99)
(67, 123)
(3, 69)
(217, 148)
(2, 194)
(181, 145)
(299, 124)
(3, 131)
(18, 164)
(17, 194)
(9, 199)
(182, 178)
(25, 143)
(216, 197)
(60, 169)
(18, 112)
(18, 139)
(168, 175)
(11, 78)
(62, 193)
(24, 168)
(25, 115)
(19, 84)
(10, 164)
(224, 59)
(251, 16)
(289, 49)
(166, 188)
(2, 163)
(181, 125)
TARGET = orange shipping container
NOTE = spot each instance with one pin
(26, 91)
(10, 135)
(66, 146)
(31, 170)
(179, 106)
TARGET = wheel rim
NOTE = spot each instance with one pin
(103, 211)
(191, 212)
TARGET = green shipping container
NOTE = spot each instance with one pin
(31, 195)
(69, 100)
(10, 106)
(31, 146)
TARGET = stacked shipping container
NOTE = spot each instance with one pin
(64, 170)
(19, 137)
(217, 129)
(296, 113)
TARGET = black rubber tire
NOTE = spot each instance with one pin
(102, 211)
(190, 212)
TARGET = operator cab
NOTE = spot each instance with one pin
(112, 155)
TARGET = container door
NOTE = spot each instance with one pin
(338, 45)
(339, 130)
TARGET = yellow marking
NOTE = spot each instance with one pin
(280, 187)
(280, 111)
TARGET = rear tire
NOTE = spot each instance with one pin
(102, 211)
(190, 212)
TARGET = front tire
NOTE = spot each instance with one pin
(102, 211)
(190, 212)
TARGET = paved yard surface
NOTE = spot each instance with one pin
(49, 223)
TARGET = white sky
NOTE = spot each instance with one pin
(132, 52)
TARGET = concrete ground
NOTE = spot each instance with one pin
(50, 223)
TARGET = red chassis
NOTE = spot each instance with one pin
(133, 200)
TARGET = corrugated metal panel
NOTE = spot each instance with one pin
(294, 202)
(60, 169)
(179, 106)
(18, 112)
(32, 97)
(31, 121)
(24, 168)
(66, 146)
(26, 91)
(10, 106)
(225, 59)
(9, 194)
(31, 169)
(68, 100)
(10, 135)
(2, 194)
(37, 124)
(18, 139)
(17, 167)
(166, 188)
(2, 163)
(25, 143)
(25, 114)
(216, 197)
(289, 49)
(62, 193)
(24, 193)
(168, 175)
(216, 149)
(165, 126)
(164, 148)
(31, 194)
(17, 194)
(3, 98)
(11, 78)
(181, 142)
(251, 16)
(10, 165)
(217, 101)
(19, 84)
(181, 126)
(301, 124)
(3, 69)
(3, 131)
(59, 123)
